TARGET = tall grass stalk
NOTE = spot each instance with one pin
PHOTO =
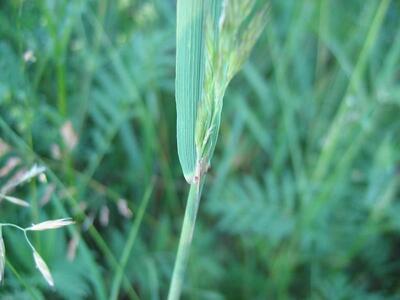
(214, 39)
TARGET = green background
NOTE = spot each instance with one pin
(303, 197)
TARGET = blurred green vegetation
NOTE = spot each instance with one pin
(303, 198)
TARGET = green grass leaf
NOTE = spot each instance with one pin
(189, 79)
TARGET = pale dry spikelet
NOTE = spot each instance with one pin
(104, 216)
(42, 267)
(36, 170)
(14, 200)
(69, 135)
(22, 177)
(2, 256)
(29, 56)
(11, 163)
(123, 208)
(52, 224)
(72, 247)
(4, 148)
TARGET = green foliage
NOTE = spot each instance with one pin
(302, 200)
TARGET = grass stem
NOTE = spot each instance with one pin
(185, 241)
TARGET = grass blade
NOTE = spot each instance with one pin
(189, 79)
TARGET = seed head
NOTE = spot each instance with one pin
(53, 224)
(42, 267)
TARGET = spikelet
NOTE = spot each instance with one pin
(2, 256)
(43, 269)
(52, 224)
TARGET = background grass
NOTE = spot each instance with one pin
(303, 197)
